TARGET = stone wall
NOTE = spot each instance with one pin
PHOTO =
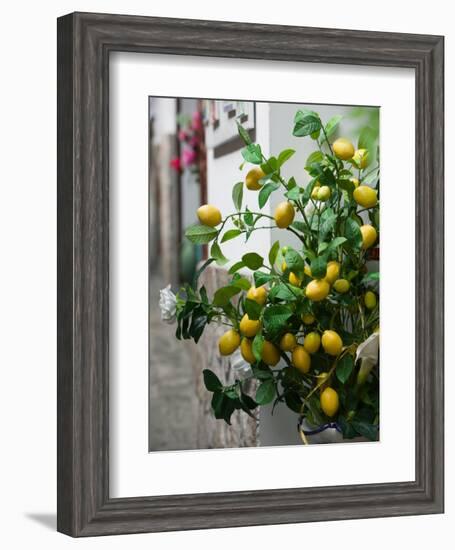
(213, 433)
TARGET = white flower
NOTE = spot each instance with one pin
(367, 352)
(168, 304)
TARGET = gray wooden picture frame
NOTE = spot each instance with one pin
(84, 44)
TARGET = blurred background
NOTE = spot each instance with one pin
(194, 158)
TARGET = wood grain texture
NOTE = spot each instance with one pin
(84, 43)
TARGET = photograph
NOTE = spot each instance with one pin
(264, 238)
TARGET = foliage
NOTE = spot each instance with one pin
(329, 233)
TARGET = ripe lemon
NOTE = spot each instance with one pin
(229, 342)
(288, 342)
(370, 299)
(284, 266)
(332, 273)
(314, 193)
(259, 294)
(330, 402)
(332, 342)
(253, 177)
(301, 359)
(324, 193)
(365, 196)
(294, 279)
(312, 342)
(369, 236)
(361, 158)
(307, 270)
(341, 285)
(355, 181)
(209, 215)
(343, 149)
(246, 349)
(284, 214)
(317, 290)
(270, 354)
(248, 327)
(308, 319)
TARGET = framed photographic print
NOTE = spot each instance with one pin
(250, 284)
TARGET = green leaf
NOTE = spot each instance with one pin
(215, 252)
(211, 380)
(248, 217)
(201, 234)
(315, 157)
(307, 124)
(344, 368)
(261, 278)
(332, 124)
(374, 276)
(236, 267)
(274, 253)
(294, 260)
(237, 195)
(352, 233)
(217, 404)
(367, 139)
(253, 309)
(285, 156)
(276, 316)
(265, 193)
(231, 234)
(224, 294)
(334, 244)
(243, 134)
(293, 401)
(294, 193)
(252, 153)
(258, 344)
(319, 267)
(327, 223)
(370, 431)
(285, 292)
(253, 261)
(265, 393)
(241, 282)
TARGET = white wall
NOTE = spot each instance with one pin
(28, 276)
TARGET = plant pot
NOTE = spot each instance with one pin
(325, 433)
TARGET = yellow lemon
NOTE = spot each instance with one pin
(294, 279)
(365, 196)
(209, 215)
(332, 273)
(369, 236)
(332, 342)
(314, 192)
(253, 177)
(229, 342)
(361, 158)
(341, 285)
(270, 354)
(284, 266)
(355, 181)
(312, 342)
(308, 319)
(246, 349)
(259, 294)
(248, 327)
(307, 270)
(301, 359)
(330, 403)
(284, 214)
(343, 149)
(324, 193)
(370, 299)
(317, 290)
(288, 342)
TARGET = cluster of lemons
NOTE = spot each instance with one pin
(316, 290)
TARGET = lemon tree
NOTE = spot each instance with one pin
(301, 316)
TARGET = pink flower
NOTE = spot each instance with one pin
(176, 164)
(196, 123)
(183, 136)
(194, 141)
(188, 157)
